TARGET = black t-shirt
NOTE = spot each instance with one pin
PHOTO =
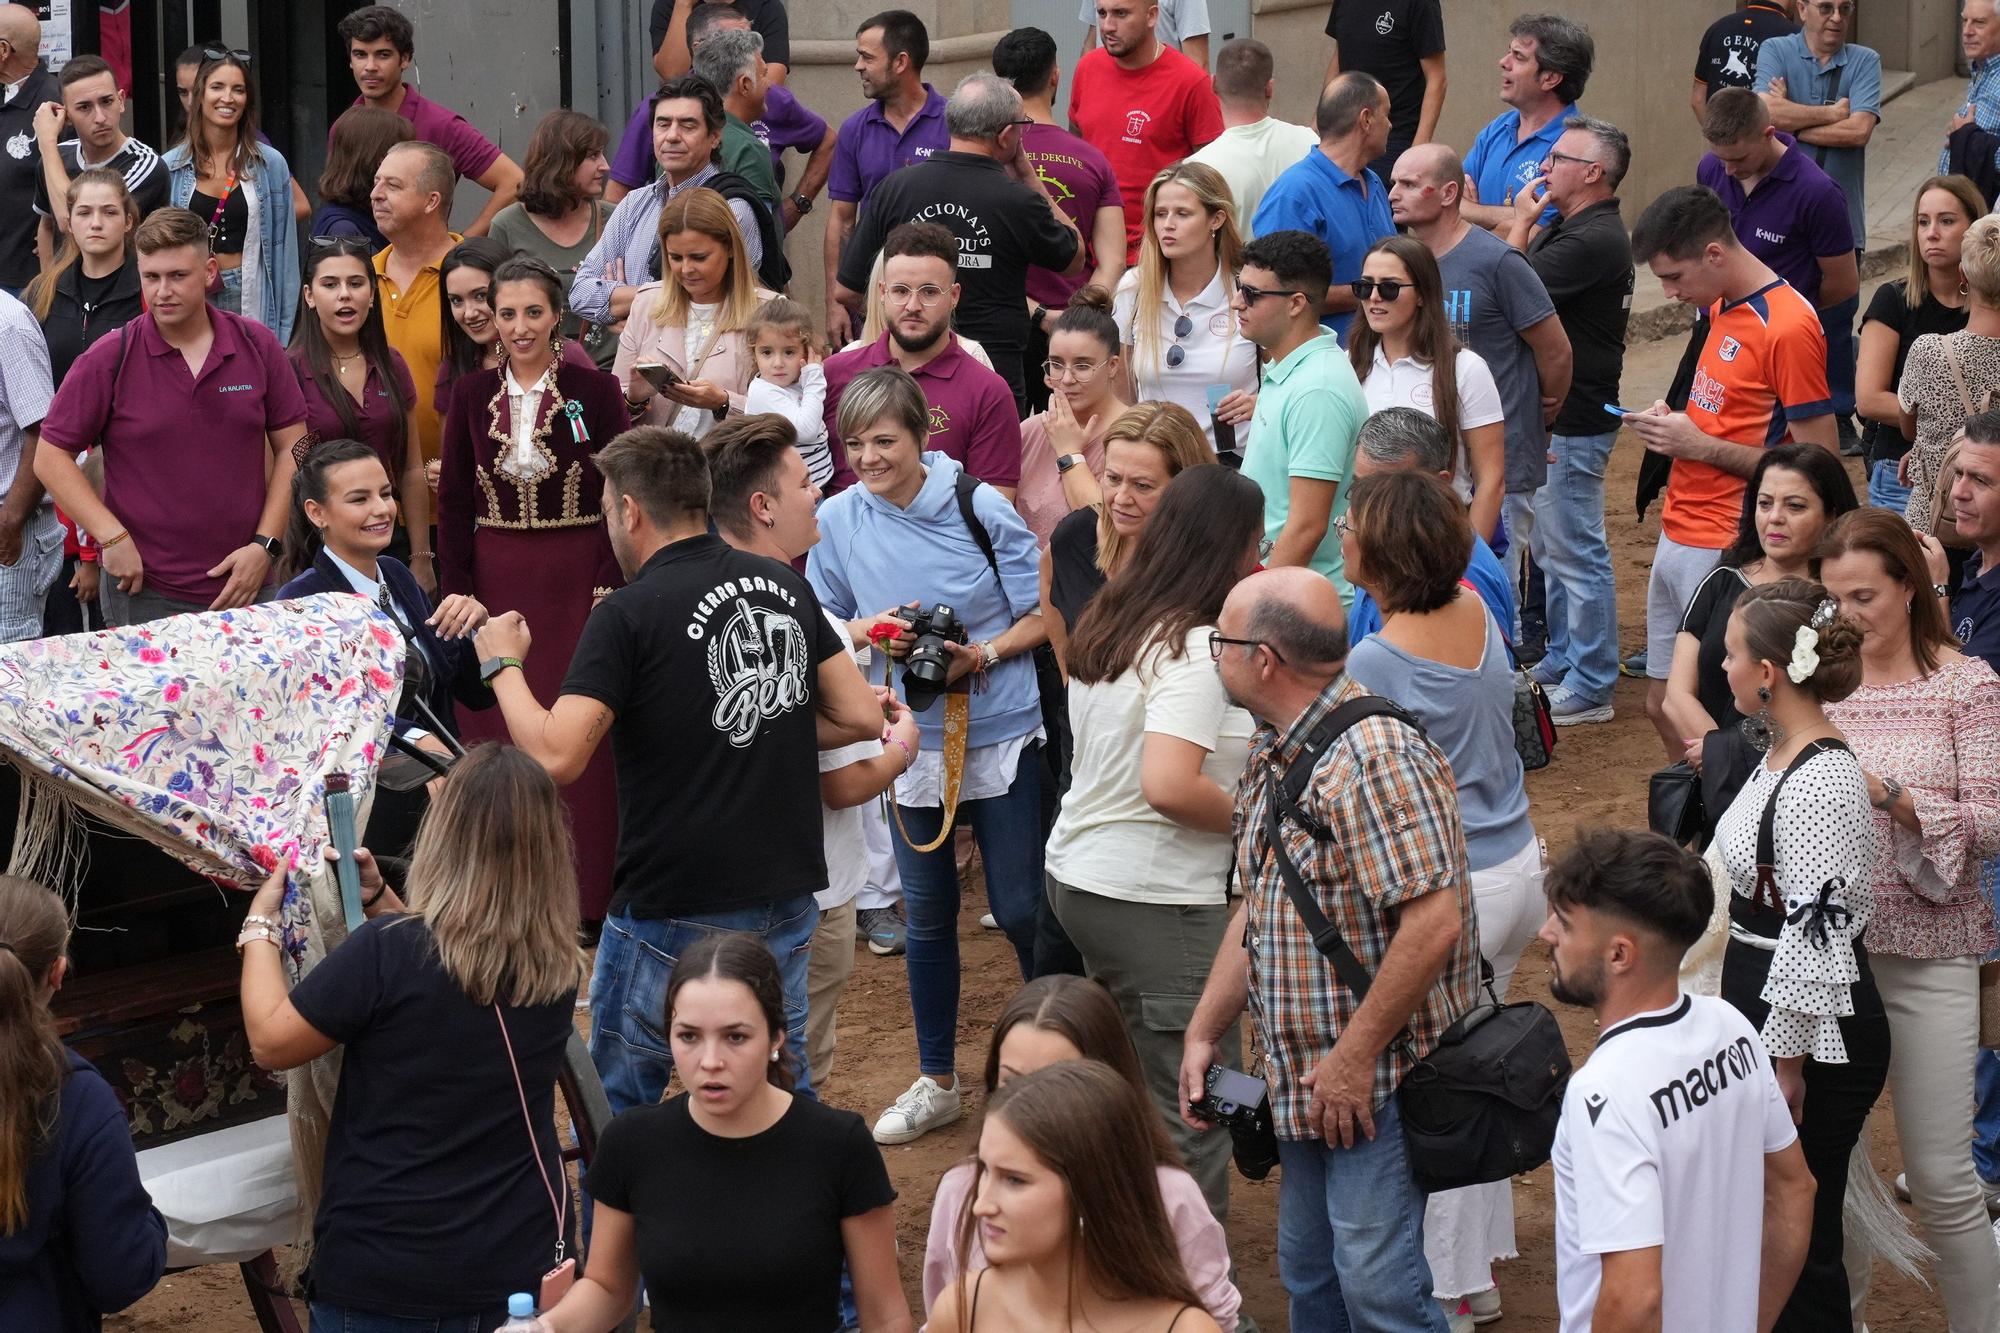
(86, 309)
(1707, 618)
(1728, 56)
(740, 1235)
(427, 1147)
(1002, 226)
(1387, 38)
(1074, 577)
(1585, 261)
(1890, 306)
(767, 17)
(708, 659)
(20, 168)
(145, 175)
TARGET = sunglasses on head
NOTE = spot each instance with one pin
(224, 53)
(1364, 288)
(343, 244)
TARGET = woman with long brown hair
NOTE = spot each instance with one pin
(1404, 354)
(1065, 1203)
(480, 966)
(560, 211)
(79, 1236)
(93, 287)
(361, 138)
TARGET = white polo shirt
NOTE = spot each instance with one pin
(1406, 382)
(1214, 351)
(1662, 1142)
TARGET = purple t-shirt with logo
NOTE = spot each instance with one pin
(1078, 177)
(1795, 217)
(869, 147)
(786, 123)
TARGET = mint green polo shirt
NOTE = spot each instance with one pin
(1308, 419)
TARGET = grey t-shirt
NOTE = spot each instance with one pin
(1490, 295)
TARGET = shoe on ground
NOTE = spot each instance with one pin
(1569, 709)
(1457, 1315)
(1634, 666)
(1987, 1188)
(1548, 674)
(883, 928)
(988, 920)
(923, 1108)
(1484, 1305)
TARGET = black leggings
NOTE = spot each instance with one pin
(1838, 1099)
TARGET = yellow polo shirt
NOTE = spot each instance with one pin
(412, 320)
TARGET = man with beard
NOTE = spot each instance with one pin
(1674, 1116)
(972, 410)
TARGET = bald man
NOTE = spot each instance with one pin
(29, 86)
(1350, 1218)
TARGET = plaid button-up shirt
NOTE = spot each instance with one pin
(1388, 797)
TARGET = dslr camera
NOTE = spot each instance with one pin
(1241, 1104)
(927, 663)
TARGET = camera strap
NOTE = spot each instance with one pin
(957, 721)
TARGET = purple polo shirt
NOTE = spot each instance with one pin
(869, 148)
(184, 454)
(471, 152)
(1795, 217)
(972, 411)
(786, 123)
(1079, 178)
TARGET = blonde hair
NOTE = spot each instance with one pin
(492, 878)
(1172, 430)
(34, 929)
(1207, 185)
(707, 213)
(1979, 261)
(874, 319)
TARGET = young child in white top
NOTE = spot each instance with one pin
(790, 379)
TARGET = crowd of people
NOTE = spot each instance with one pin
(1142, 433)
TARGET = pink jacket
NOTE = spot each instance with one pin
(730, 365)
(1204, 1249)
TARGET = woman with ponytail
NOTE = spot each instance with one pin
(79, 1236)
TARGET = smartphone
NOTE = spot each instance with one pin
(1617, 411)
(657, 375)
(1225, 432)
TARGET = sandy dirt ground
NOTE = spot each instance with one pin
(1598, 777)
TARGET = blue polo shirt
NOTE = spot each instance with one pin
(1853, 72)
(1501, 161)
(868, 147)
(1975, 612)
(1349, 213)
(1795, 217)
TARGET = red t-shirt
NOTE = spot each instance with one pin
(1762, 367)
(1143, 120)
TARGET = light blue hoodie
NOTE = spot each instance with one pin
(872, 556)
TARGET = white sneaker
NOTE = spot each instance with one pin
(1485, 1305)
(1457, 1315)
(1989, 1190)
(925, 1107)
(988, 920)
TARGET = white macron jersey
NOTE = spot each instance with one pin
(1662, 1142)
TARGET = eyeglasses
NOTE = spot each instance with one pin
(1833, 11)
(1020, 124)
(1177, 353)
(1554, 156)
(1365, 288)
(1252, 295)
(1217, 642)
(1076, 371)
(1342, 526)
(223, 53)
(926, 296)
(1265, 545)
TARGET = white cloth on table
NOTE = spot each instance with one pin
(227, 1195)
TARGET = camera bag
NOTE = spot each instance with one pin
(1483, 1104)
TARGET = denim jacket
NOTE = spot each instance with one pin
(271, 250)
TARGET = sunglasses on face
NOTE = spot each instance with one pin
(1365, 288)
(1252, 295)
(1177, 353)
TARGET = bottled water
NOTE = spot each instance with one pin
(520, 1315)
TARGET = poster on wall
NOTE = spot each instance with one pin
(58, 41)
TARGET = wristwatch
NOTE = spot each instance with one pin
(803, 204)
(493, 666)
(1042, 313)
(1066, 462)
(271, 545)
(1941, 590)
(989, 656)
(1891, 789)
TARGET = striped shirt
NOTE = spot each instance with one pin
(1982, 100)
(1389, 799)
(632, 234)
(136, 164)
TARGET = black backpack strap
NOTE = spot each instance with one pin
(963, 486)
(774, 270)
(1767, 836)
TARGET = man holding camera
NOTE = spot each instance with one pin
(1390, 872)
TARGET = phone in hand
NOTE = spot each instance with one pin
(1225, 432)
(657, 375)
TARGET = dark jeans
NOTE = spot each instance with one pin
(327, 1318)
(1838, 1098)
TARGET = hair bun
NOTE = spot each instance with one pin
(1094, 296)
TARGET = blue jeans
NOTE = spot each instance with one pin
(1351, 1235)
(1575, 560)
(328, 1318)
(1884, 491)
(628, 991)
(1837, 321)
(1009, 832)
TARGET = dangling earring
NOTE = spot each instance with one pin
(1760, 731)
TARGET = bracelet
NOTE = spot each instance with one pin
(909, 755)
(376, 896)
(423, 555)
(113, 541)
(255, 919)
(252, 936)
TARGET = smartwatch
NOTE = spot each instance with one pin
(1066, 462)
(1941, 590)
(803, 204)
(493, 666)
(271, 545)
(1042, 312)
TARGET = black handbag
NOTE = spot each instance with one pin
(1673, 804)
(1483, 1104)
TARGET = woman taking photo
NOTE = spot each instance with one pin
(1071, 1220)
(482, 963)
(1049, 1020)
(1440, 654)
(1144, 449)
(1186, 349)
(1930, 299)
(93, 287)
(892, 547)
(356, 386)
(1139, 858)
(1932, 403)
(1405, 356)
(361, 138)
(1925, 724)
(1062, 448)
(693, 320)
(1795, 491)
(560, 211)
(737, 1201)
(79, 1236)
(519, 522)
(226, 175)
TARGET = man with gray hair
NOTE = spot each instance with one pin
(1256, 147)
(988, 195)
(1403, 439)
(732, 61)
(1542, 75)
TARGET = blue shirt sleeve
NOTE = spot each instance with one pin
(1771, 57)
(1015, 548)
(590, 291)
(1523, 299)
(1864, 88)
(828, 576)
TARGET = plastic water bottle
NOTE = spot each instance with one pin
(520, 1315)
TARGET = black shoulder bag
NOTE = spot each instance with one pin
(1484, 1104)
(1763, 912)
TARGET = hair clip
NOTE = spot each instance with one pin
(1824, 613)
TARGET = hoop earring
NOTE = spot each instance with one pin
(1759, 731)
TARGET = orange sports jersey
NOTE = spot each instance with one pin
(1762, 368)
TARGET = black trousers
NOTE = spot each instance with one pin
(1838, 1099)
